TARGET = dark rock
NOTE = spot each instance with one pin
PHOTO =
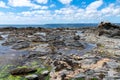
(33, 54)
(108, 25)
(1, 38)
(58, 43)
(77, 37)
(22, 71)
(103, 32)
(59, 66)
(75, 44)
(108, 29)
(21, 45)
(115, 34)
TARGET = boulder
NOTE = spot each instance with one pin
(22, 71)
(21, 45)
(108, 29)
(108, 25)
(77, 37)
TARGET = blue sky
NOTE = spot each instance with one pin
(58, 11)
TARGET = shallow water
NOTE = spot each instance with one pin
(8, 55)
(88, 47)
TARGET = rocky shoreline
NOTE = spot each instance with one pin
(62, 53)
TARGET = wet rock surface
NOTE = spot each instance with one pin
(21, 45)
(65, 54)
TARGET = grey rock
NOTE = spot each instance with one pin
(89, 72)
(74, 44)
(79, 76)
(21, 45)
(10, 41)
(76, 37)
(32, 77)
(112, 64)
(37, 38)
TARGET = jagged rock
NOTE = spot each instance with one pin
(34, 54)
(108, 25)
(108, 29)
(112, 64)
(45, 48)
(22, 71)
(77, 37)
(21, 45)
(75, 44)
(59, 65)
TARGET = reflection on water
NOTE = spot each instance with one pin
(88, 47)
(8, 55)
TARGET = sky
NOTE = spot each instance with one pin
(59, 11)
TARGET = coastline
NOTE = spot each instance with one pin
(43, 44)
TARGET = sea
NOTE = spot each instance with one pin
(78, 25)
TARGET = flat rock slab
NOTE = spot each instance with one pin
(22, 71)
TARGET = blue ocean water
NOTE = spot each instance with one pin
(55, 25)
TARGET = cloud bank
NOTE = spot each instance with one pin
(40, 12)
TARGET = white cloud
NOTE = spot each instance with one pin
(35, 13)
(111, 10)
(3, 5)
(42, 1)
(20, 3)
(65, 1)
(66, 14)
(1, 13)
(95, 5)
(25, 3)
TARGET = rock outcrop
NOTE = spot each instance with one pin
(108, 29)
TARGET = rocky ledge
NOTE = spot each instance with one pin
(65, 54)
